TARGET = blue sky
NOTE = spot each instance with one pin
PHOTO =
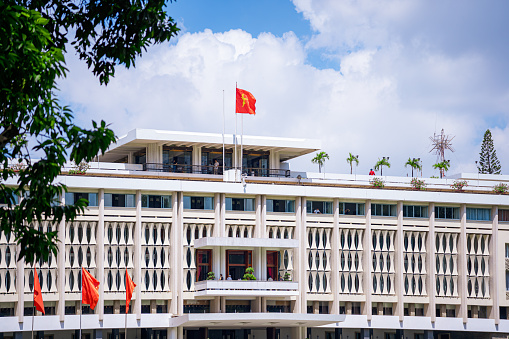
(372, 77)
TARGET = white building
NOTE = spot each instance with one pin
(374, 263)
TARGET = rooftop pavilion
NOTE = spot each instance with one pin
(188, 152)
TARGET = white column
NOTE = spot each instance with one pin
(197, 155)
(274, 159)
(299, 258)
(367, 262)
(179, 273)
(335, 259)
(219, 221)
(400, 308)
(61, 265)
(100, 255)
(462, 264)
(493, 262)
(20, 286)
(176, 258)
(137, 257)
(263, 220)
(258, 232)
(154, 153)
(430, 262)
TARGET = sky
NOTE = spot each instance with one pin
(372, 77)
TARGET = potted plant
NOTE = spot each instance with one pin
(458, 185)
(211, 276)
(418, 184)
(80, 168)
(500, 188)
(377, 182)
(287, 277)
(249, 274)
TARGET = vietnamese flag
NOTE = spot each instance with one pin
(89, 288)
(245, 102)
(39, 305)
(129, 288)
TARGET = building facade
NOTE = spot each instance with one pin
(333, 257)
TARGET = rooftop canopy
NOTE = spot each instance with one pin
(139, 139)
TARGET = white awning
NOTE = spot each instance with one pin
(245, 242)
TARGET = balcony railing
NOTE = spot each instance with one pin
(246, 288)
(208, 169)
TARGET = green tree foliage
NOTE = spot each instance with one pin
(320, 160)
(381, 163)
(443, 167)
(488, 161)
(351, 159)
(33, 37)
(414, 164)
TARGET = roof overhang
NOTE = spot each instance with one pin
(254, 320)
(209, 242)
(138, 139)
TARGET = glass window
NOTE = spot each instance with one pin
(442, 212)
(239, 204)
(383, 210)
(71, 198)
(319, 207)
(507, 280)
(280, 205)
(410, 211)
(481, 214)
(156, 201)
(350, 208)
(199, 203)
(503, 215)
(118, 200)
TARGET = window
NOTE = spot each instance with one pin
(503, 215)
(240, 204)
(198, 203)
(321, 207)
(156, 201)
(410, 211)
(507, 280)
(203, 264)
(383, 210)
(442, 212)
(281, 206)
(118, 200)
(351, 208)
(71, 198)
(507, 251)
(481, 214)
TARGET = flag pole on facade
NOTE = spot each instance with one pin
(235, 138)
(129, 288)
(244, 103)
(38, 302)
(90, 285)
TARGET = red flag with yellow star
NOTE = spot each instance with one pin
(245, 102)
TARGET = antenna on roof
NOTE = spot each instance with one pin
(441, 143)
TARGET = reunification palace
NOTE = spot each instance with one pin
(333, 256)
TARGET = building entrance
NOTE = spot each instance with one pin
(237, 262)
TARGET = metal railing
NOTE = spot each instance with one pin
(209, 169)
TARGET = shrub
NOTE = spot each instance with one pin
(249, 274)
(500, 188)
(377, 182)
(459, 185)
(211, 276)
(287, 277)
(418, 184)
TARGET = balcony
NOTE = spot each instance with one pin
(207, 169)
(246, 288)
(211, 242)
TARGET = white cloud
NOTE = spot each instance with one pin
(395, 86)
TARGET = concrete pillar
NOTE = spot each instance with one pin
(462, 264)
(20, 285)
(137, 279)
(300, 254)
(411, 309)
(177, 304)
(475, 311)
(197, 156)
(258, 232)
(298, 332)
(61, 266)
(100, 255)
(430, 264)
(154, 154)
(399, 248)
(216, 230)
(335, 260)
(153, 306)
(348, 307)
(316, 307)
(367, 281)
(116, 307)
(493, 263)
(274, 159)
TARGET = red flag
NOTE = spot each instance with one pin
(89, 288)
(245, 102)
(39, 305)
(129, 288)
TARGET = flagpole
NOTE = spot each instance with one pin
(236, 162)
(223, 132)
(241, 143)
(33, 305)
(81, 299)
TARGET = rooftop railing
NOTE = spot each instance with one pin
(210, 169)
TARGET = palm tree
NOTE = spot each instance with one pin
(381, 163)
(443, 167)
(351, 159)
(320, 160)
(414, 164)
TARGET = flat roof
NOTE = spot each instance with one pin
(138, 139)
